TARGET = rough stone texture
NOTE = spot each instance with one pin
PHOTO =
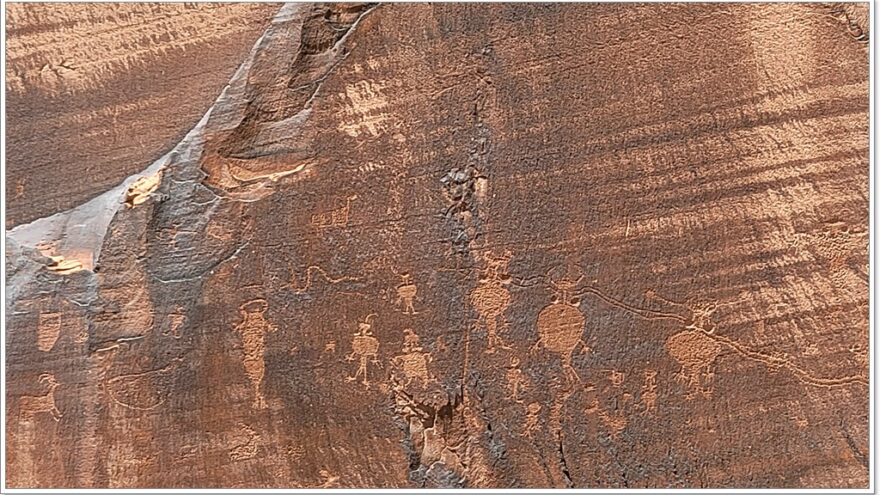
(472, 245)
(95, 92)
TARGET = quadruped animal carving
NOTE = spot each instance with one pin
(31, 405)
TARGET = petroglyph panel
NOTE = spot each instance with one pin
(438, 246)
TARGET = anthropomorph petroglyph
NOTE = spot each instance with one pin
(533, 411)
(516, 379)
(253, 329)
(364, 348)
(31, 405)
(696, 353)
(490, 298)
(48, 330)
(406, 294)
(649, 392)
(561, 324)
(413, 363)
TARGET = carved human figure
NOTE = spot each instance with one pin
(253, 329)
(406, 294)
(413, 363)
(649, 392)
(491, 297)
(364, 348)
(533, 410)
(561, 325)
(696, 353)
(516, 379)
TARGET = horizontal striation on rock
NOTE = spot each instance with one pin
(457, 245)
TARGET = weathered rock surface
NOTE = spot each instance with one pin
(469, 245)
(97, 91)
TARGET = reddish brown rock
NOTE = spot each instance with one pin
(472, 246)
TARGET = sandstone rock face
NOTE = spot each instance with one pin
(452, 245)
(95, 92)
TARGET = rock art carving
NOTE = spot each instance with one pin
(253, 329)
(406, 294)
(143, 391)
(48, 330)
(649, 392)
(516, 379)
(247, 449)
(695, 353)
(490, 298)
(532, 425)
(413, 363)
(364, 349)
(31, 405)
(561, 325)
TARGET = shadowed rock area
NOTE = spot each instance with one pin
(464, 245)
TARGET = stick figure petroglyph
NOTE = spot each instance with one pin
(253, 329)
(364, 348)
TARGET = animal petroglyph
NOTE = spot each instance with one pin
(561, 325)
(413, 363)
(31, 405)
(490, 298)
(253, 329)
(336, 217)
(696, 354)
(364, 348)
(48, 330)
(142, 391)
